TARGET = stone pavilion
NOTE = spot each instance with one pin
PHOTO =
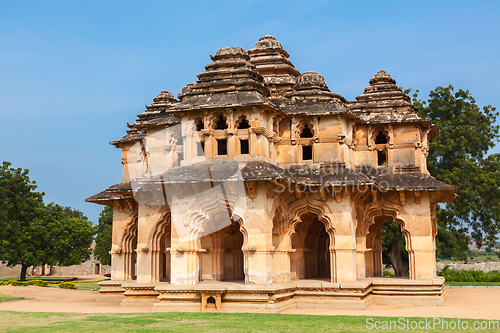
(259, 189)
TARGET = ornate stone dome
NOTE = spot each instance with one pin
(165, 97)
(271, 60)
(311, 80)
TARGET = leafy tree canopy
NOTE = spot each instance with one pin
(32, 233)
(104, 236)
(458, 155)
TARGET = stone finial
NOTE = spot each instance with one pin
(164, 97)
(230, 52)
(268, 42)
(382, 77)
(311, 80)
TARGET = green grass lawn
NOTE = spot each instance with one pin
(81, 286)
(193, 322)
(4, 298)
(451, 283)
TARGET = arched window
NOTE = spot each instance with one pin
(306, 132)
(220, 122)
(381, 138)
(199, 124)
(307, 151)
(243, 124)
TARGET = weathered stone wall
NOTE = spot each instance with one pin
(86, 268)
(484, 266)
(9, 271)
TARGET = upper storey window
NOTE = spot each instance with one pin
(243, 123)
(381, 141)
(307, 151)
(220, 122)
(306, 133)
(199, 124)
(381, 138)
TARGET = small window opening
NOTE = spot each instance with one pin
(222, 147)
(244, 123)
(211, 300)
(244, 148)
(306, 133)
(201, 149)
(199, 124)
(382, 157)
(221, 123)
(381, 138)
(307, 153)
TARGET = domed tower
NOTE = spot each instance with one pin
(271, 60)
(393, 131)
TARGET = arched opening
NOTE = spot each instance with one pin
(306, 132)
(199, 124)
(221, 255)
(130, 260)
(243, 123)
(160, 251)
(307, 150)
(165, 266)
(233, 254)
(220, 122)
(310, 256)
(386, 245)
(381, 138)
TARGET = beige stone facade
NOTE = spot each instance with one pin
(260, 189)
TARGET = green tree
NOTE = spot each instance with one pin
(396, 255)
(68, 238)
(458, 155)
(104, 236)
(452, 244)
(32, 233)
(21, 211)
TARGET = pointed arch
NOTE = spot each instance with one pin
(198, 219)
(309, 205)
(385, 208)
(159, 240)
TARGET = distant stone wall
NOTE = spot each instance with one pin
(9, 271)
(484, 266)
(89, 267)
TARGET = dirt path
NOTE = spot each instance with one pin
(477, 303)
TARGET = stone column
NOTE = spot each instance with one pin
(258, 225)
(345, 258)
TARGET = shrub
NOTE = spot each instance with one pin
(66, 285)
(469, 275)
(389, 273)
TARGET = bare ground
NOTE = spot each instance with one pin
(476, 303)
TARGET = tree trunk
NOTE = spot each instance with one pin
(400, 266)
(24, 268)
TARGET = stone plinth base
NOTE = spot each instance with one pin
(277, 298)
(389, 291)
(139, 294)
(333, 295)
(111, 291)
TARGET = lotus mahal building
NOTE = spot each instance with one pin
(259, 189)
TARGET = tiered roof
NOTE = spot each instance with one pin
(230, 80)
(272, 63)
(384, 102)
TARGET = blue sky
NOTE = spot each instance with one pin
(73, 73)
